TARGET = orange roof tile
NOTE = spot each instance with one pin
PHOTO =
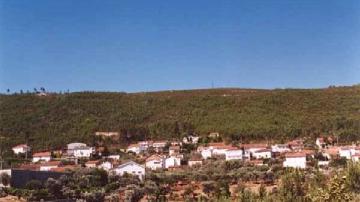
(295, 155)
(41, 154)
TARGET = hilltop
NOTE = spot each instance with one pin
(238, 114)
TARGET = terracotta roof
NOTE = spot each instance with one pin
(51, 163)
(216, 144)
(93, 162)
(174, 147)
(248, 146)
(154, 157)
(235, 149)
(20, 146)
(321, 140)
(308, 151)
(263, 150)
(228, 147)
(295, 155)
(29, 167)
(133, 145)
(41, 154)
(64, 168)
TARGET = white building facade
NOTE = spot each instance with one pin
(130, 168)
(234, 154)
(295, 161)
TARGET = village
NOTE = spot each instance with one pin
(191, 152)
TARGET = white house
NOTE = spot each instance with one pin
(130, 168)
(262, 154)
(21, 149)
(7, 172)
(135, 148)
(295, 160)
(172, 161)
(113, 157)
(249, 149)
(83, 152)
(194, 161)
(280, 148)
(154, 162)
(107, 134)
(72, 146)
(49, 165)
(41, 156)
(159, 145)
(191, 139)
(320, 142)
(206, 153)
(92, 164)
(144, 145)
(234, 154)
(174, 150)
(355, 157)
(219, 148)
(296, 145)
(348, 151)
(106, 165)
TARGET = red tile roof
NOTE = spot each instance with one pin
(154, 157)
(51, 163)
(20, 146)
(295, 155)
(133, 145)
(41, 154)
(64, 168)
(92, 162)
(249, 146)
(263, 150)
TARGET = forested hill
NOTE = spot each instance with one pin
(238, 114)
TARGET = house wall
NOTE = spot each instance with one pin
(345, 153)
(83, 152)
(106, 166)
(206, 153)
(154, 164)
(297, 162)
(262, 155)
(192, 163)
(234, 155)
(131, 169)
(20, 150)
(37, 159)
(172, 162)
(47, 168)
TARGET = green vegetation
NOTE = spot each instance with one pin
(200, 184)
(239, 114)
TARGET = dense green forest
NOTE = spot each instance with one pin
(238, 114)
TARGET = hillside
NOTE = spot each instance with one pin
(240, 114)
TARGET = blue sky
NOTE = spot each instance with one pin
(158, 45)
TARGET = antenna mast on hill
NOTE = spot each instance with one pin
(212, 84)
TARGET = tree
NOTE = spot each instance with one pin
(5, 179)
(208, 188)
(262, 191)
(292, 186)
(34, 185)
(353, 177)
(335, 191)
